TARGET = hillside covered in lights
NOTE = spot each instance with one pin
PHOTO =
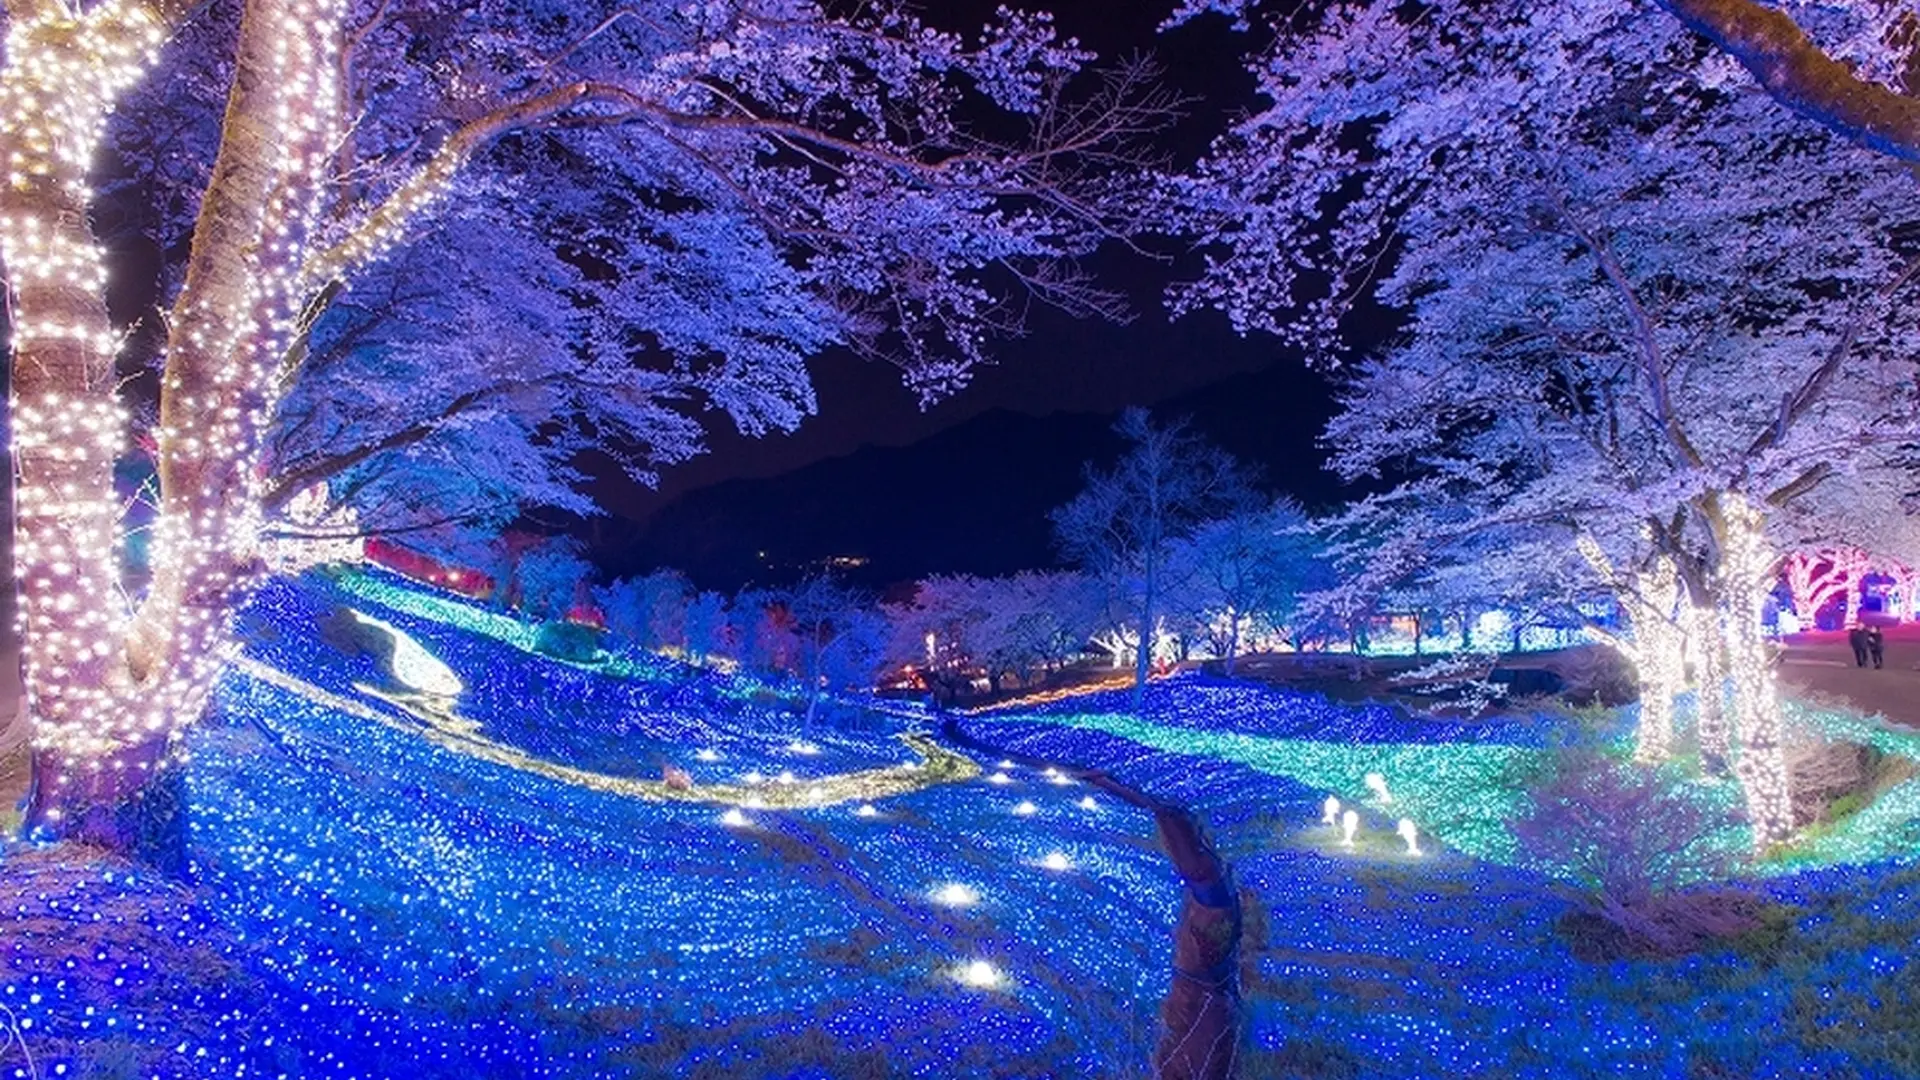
(418, 847)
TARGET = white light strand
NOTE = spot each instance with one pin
(1761, 765)
(64, 72)
(101, 680)
(1657, 647)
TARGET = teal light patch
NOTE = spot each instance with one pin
(1461, 793)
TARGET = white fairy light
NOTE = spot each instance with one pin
(1026, 809)
(1651, 601)
(1057, 860)
(1411, 834)
(978, 974)
(1747, 575)
(1330, 811)
(733, 818)
(954, 894)
(1349, 825)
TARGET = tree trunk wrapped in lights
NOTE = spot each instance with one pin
(100, 725)
(1816, 577)
(1657, 647)
(1746, 575)
(1708, 646)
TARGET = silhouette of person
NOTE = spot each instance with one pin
(1857, 637)
(1877, 645)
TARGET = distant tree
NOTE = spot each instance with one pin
(1053, 614)
(853, 660)
(649, 612)
(1815, 577)
(1123, 525)
(551, 578)
(958, 627)
(763, 631)
(829, 627)
(1247, 570)
(935, 632)
(706, 626)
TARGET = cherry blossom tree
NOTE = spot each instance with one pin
(1814, 578)
(723, 190)
(551, 578)
(649, 612)
(1853, 526)
(1024, 624)
(707, 626)
(838, 638)
(1646, 305)
(1245, 572)
(1123, 525)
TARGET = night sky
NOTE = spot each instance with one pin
(965, 485)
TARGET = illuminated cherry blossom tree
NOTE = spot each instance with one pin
(1124, 525)
(1245, 573)
(1646, 305)
(657, 206)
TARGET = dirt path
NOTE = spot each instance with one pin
(1823, 663)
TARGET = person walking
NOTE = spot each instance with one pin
(1857, 637)
(1877, 645)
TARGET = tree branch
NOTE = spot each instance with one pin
(293, 481)
(1795, 405)
(1791, 68)
(1646, 339)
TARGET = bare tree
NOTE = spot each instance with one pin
(1123, 525)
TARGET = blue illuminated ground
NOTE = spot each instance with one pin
(370, 903)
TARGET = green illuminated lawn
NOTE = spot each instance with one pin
(1462, 793)
(1466, 794)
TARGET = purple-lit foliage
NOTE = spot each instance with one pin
(632, 212)
(1020, 626)
(1123, 526)
(651, 611)
(551, 578)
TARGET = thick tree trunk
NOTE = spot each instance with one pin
(1710, 708)
(67, 426)
(1789, 66)
(1143, 654)
(1660, 660)
(1761, 764)
(109, 691)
